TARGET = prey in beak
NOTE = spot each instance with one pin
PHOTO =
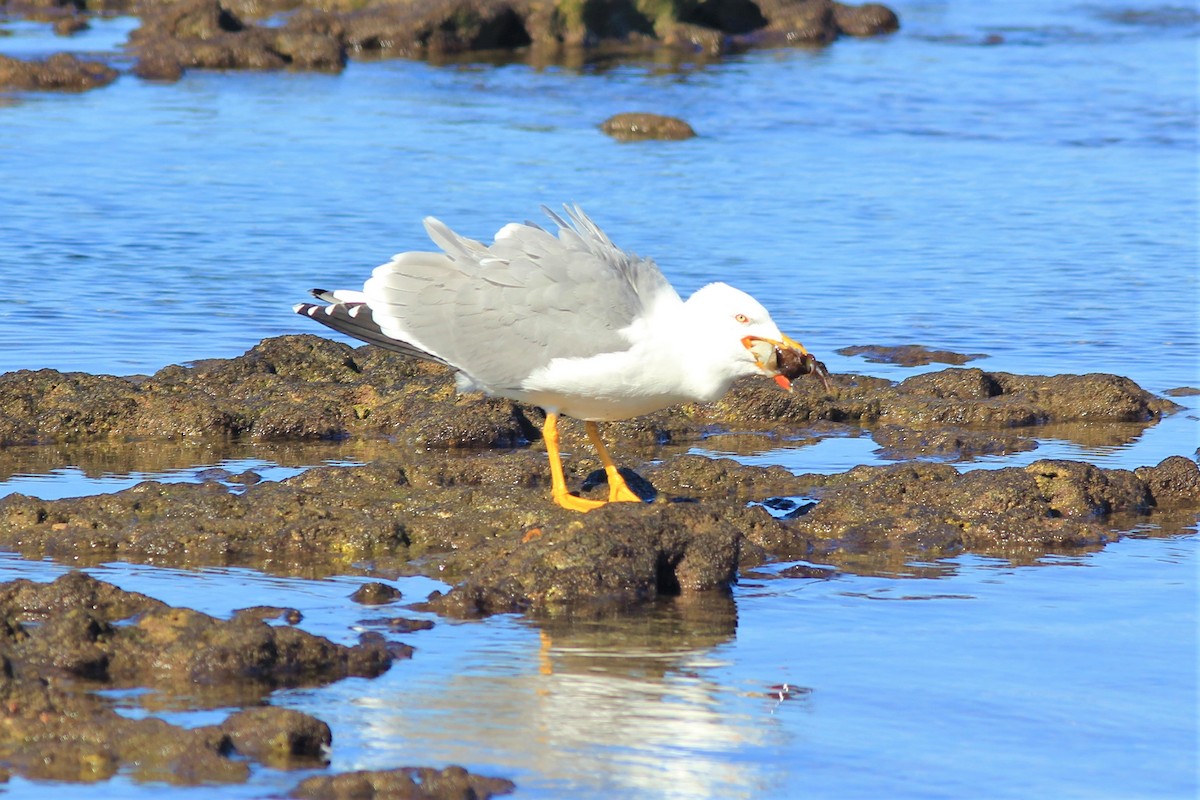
(785, 360)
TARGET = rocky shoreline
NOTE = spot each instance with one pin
(177, 35)
(457, 488)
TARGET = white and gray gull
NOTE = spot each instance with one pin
(570, 323)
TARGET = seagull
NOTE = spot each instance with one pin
(569, 323)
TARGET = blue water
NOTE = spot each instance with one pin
(1033, 199)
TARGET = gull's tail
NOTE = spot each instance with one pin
(348, 314)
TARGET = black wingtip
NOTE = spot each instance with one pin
(318, 292)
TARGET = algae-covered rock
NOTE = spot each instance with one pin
(79, 628)
(61, 641)
(482, 519)
(951, 397)
(309, 388)
(908, 355)
(891, 514)
(207, 34)
(418, 783)
(279, 737)
(639, 126)
(619, 555)
(61, 72)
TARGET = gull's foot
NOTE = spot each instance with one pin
(619, 492)
(573, 503)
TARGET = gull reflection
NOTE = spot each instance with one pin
(616, 705)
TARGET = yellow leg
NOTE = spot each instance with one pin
(558, 484)
(618, 490)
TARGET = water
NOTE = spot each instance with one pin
(1033, 199)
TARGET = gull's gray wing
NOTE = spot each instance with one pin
(498, 312)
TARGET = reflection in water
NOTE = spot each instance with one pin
(627, 705)
(161, 458)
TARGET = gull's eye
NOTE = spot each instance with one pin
(742, 318)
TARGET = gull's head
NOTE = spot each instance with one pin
(738, 333)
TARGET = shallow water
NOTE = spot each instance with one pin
(1032, 199)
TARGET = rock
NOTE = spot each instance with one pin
(484, 520)
(436, 27)
(1081, 491)
(870, 517)
(869, 19)
(950, 443)
(220, 34)
(419, 783)
(291, 616)
(399, 624)
(908, 355)
(375, 594)
(623, 555)
(952, 397)
(791, 22)
(173, 649)
(61, 72)
(637, 126)
(278, 737)
(206, 34)
(53, 734)
(61, 641)
(1174, 483)
(70, 25)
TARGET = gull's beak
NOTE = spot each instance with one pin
(785, 360)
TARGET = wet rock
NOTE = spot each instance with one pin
(1174, 483)
(623, 555)
(408, 782)
(484, 519)
(399, 624)
(485, 522)
(1182, 391)
(247, 478)
(305, 387)
(869, 19)
(220, 34)
(799, 21)
(375, 594)
(278, 737)
(636, 127)
(889, 515)
(436, 27)
(950, 443)
(69, 628)
(60, 641)
(53, 734)
(70, 25)
(819, 22)
(908, 355)
(189, 525)
(808, 571)
(1081, 491)
(203, 33)
(952, 397)
(61, 72)
(291, 616)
